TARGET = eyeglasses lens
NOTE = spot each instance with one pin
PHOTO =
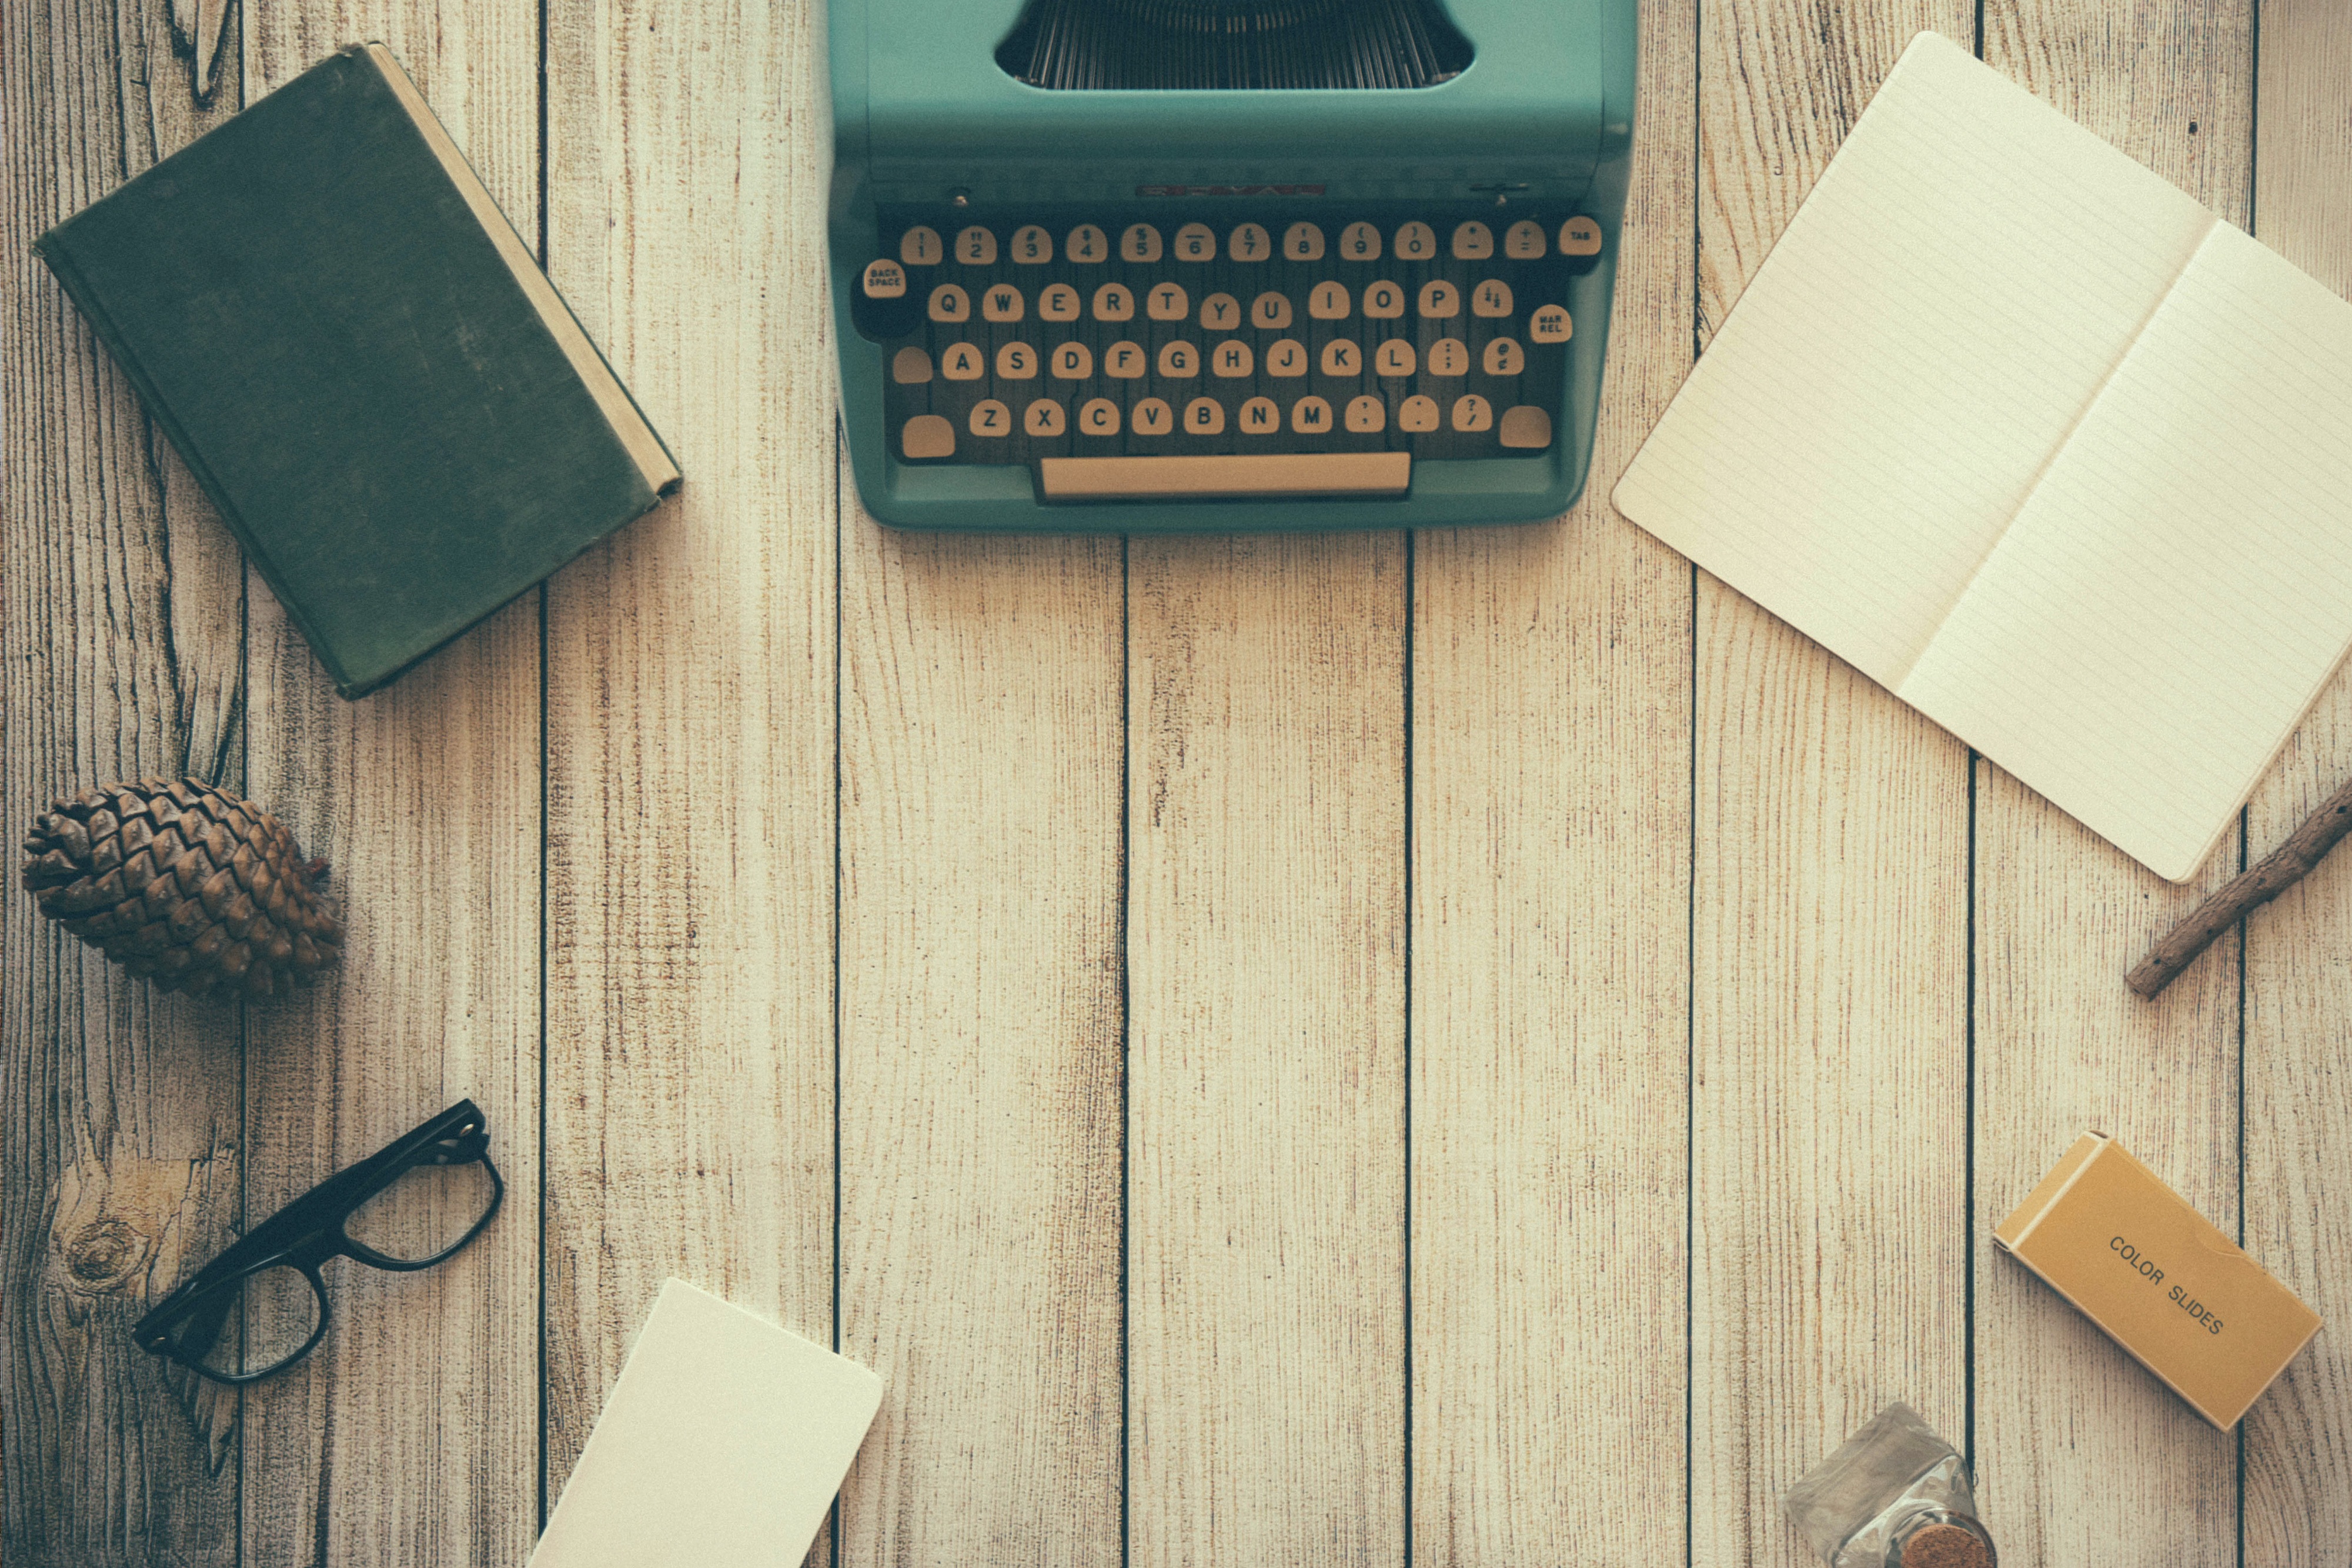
(424, 1212)
(252, 1325)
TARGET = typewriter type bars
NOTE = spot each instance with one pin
(1319, 357)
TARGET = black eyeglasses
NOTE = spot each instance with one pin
(261, 1306)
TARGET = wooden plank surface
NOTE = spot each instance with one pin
(2296, 1104)
(122, 613)
(982, 1042)
(1551, 966)
(690, 694)
(1829, 923)
(1269, 987)
(1266, 1073)
(412, 1434)
(2082, 1457)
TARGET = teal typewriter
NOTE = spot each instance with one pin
(1180, 265)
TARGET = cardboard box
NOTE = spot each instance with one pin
(2135, 1259)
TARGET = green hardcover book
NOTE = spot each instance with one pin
(389, 404)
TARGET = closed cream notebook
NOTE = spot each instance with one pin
(2041, 445)
(721, 1446)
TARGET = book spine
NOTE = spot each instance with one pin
(57, 255)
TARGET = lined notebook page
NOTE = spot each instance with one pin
(1948, 301)
(1923, 437)
(2179, 587)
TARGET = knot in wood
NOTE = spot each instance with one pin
(105, 1254)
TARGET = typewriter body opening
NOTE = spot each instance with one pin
(1159, 309)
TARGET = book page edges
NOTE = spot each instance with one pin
(629, 425)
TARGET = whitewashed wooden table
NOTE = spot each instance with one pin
(1469, 1048)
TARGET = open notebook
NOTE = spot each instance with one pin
(2031, 438)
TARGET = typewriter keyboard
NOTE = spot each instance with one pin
(1140, 360)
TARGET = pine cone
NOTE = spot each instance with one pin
(186, 884)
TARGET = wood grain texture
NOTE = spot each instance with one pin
(1266, 926)
(120, 624)
(2297, 1104)
(412, 1434)
(2082, 1457)
(1830, 919)
(1551, 987)
(982, 1042)
(690, 698)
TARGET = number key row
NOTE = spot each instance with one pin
(1032, 245)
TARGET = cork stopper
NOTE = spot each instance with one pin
(1945, 1546)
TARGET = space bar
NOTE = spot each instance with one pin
(1234, 474)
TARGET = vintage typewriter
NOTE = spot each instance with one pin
(1150, 264)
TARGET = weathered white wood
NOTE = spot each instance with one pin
(690, 698)
(982, 1042)
(1829, 929)
(412, 1434)
(2297, 1110)
(2082, 1457)
(1267, 1094)
(1550, 954)
(120, 615)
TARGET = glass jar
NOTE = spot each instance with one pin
(1894, 1496)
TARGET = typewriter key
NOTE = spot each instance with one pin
(1114, 303)
(1527, 426)
(1032, 245)
(920, 247)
